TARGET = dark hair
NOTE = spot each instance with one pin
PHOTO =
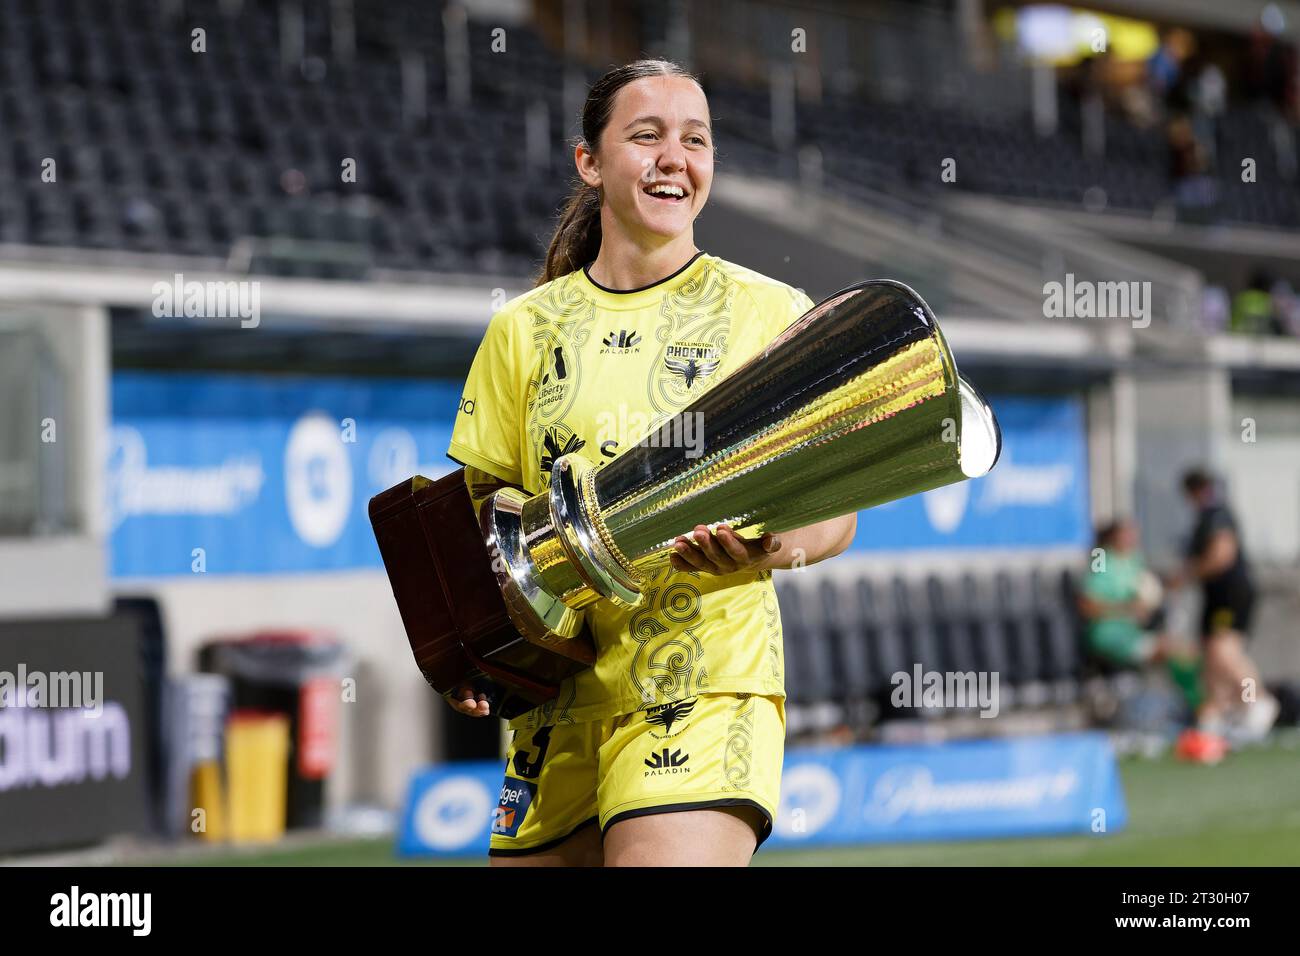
(577, 236)
(1106, 532)
(1196, 479)
(1259, 279)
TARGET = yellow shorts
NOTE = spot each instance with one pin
(715, 750)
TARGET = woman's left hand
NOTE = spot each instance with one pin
(722, 552)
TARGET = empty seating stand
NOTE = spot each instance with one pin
(850, 644)
(159, 148)
(168, 150)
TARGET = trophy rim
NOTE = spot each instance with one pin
(987, 420)
(549, 621)
(576, 519)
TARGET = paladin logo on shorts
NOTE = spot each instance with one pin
(516, 798)
(665, 715)
(663, 762)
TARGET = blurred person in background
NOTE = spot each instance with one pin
(1120, 600)
(1207, 100)
(1165, 67)
(1252, 307)
(1270, 82)
(1216, 308)
(1286, 308)
(1217, 560)
(1175, 74)
(1189, 165)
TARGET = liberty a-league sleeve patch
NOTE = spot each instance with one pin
(516, 798)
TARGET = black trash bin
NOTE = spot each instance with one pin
(298, 674)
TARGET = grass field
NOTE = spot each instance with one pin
(1243, 812)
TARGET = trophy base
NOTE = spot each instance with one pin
(550, 557)
(457, 620)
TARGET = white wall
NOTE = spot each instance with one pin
(1264, 476)
(66, 573)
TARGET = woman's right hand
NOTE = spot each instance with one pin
(465, 701)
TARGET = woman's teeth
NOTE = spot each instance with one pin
(666, 193)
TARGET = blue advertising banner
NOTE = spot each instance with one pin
(262, 473)
(1024, 786)
(1018, 786)
(1036, 495)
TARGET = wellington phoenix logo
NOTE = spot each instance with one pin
(665, 715)
(688, 362)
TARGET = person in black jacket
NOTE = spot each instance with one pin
(1236, 701)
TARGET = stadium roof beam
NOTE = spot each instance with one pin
(465, 302)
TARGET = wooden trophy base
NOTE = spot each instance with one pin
(451, 605)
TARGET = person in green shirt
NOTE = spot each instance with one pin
(1117, 600)
(1252, 307)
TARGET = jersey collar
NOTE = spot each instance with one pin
(636, 298)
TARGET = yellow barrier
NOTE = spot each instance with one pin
(257, 769)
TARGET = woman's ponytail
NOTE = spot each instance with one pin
(577, 237)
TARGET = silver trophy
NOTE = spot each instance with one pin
(857, 403)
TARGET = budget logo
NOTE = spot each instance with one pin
(512, 807)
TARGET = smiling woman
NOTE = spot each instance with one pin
(668, 750)
(645, 161)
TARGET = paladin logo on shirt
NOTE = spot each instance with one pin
(665, 715)
(664, 761)
(621, 342)
(691, 361)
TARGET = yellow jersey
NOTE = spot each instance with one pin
(574, 366)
